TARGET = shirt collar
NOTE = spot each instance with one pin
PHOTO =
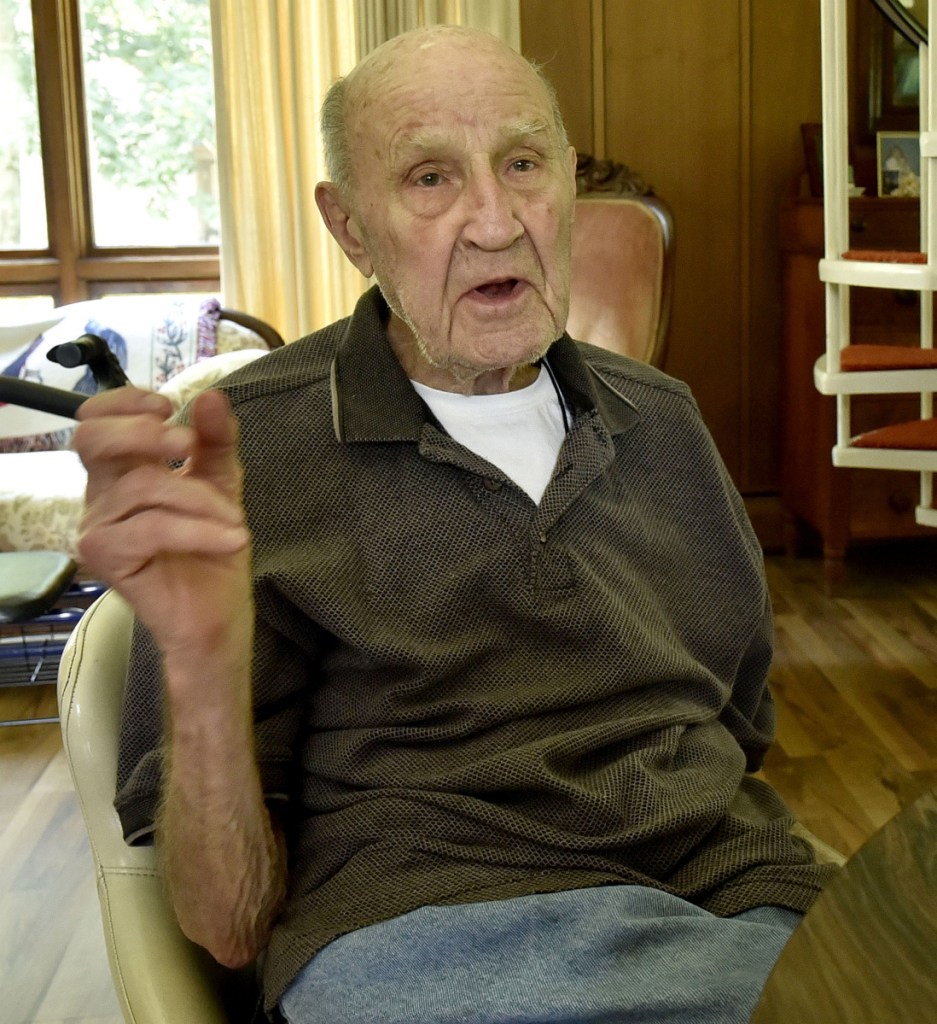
(373, 400)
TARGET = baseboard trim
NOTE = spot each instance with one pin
(764, 511)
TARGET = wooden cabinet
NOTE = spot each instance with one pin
(842, 506)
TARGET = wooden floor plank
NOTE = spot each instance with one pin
(820, 800)
(811, 712)
(856, 682)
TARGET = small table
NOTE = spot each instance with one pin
(866, 953)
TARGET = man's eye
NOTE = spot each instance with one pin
(429, 179)
(523, 164)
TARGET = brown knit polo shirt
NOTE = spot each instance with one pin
(463, 696)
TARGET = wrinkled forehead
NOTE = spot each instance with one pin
(445, 55)
(449, 84)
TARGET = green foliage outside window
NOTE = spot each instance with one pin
(148, 89)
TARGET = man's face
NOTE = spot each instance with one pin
(463, 196)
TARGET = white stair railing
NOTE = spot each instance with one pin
(911, 446)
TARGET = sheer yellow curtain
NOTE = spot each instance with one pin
(274, 60)
(379, 20)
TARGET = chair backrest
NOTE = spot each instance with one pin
(266, 332)
(622, 268)
(159, 975)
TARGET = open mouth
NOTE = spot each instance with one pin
(498, 289)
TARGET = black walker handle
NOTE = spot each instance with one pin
(92, 351)
(88, 350)
(40, 397)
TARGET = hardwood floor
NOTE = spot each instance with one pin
(53, 967)
(855, 681)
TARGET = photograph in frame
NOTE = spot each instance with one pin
(899, 164)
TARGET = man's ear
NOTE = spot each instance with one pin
(342, 225)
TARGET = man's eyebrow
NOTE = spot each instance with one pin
(525, 129)
(430, 139)
(420, 141)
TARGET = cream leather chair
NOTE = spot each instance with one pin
(159, 975)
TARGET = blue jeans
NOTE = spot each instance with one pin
(617, 953)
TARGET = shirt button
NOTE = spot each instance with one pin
(492, 485)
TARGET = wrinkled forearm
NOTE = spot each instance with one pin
(222, 857)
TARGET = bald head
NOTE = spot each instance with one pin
(349, 99)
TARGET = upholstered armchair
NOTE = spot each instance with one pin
(622, 262)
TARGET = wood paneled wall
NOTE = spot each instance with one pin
(705, 99)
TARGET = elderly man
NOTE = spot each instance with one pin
(462, 643)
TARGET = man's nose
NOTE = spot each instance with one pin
(491, 216)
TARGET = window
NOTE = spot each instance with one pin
(107, 180)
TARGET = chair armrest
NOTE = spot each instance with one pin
(159, 975)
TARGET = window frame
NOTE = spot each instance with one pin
(73, 268)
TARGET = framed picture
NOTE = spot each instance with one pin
(899, 163)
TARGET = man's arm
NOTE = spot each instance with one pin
(174, 544)
(223, 861)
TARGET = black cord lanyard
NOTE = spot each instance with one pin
(559, 395)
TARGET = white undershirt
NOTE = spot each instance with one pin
(520, 432)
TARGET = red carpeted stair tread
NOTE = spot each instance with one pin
(918, 435)
(863, 358)
(885, 256)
